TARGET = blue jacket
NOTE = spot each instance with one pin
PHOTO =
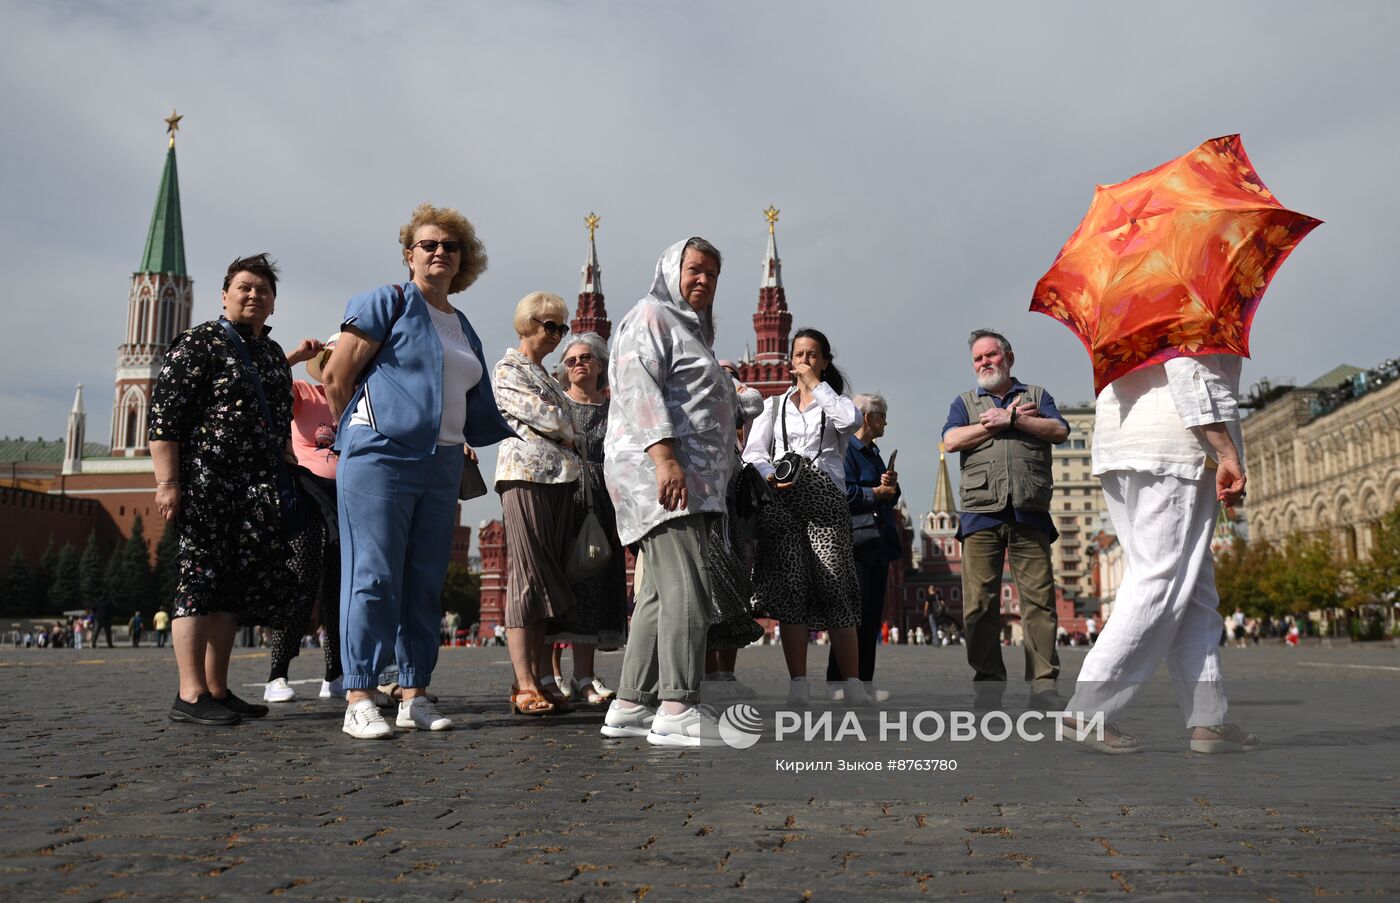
(864, 466)
(403, 388)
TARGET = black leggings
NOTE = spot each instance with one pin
(316, 563)
(872, 579)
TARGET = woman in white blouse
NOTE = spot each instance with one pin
(804, 570)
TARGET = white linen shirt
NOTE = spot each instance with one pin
(826, 449)
(1143, 420)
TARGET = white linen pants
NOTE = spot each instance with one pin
(1167, 604)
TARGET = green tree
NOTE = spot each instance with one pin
(91, 572)
(19, 586)
(461, 592)
(141, 579)
(167, 573)
(1305, 575)
(1378, 578)
(1240, 571)
(42, 578)
(114, 579)
(65, 594)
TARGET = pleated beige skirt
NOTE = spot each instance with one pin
(539, 528)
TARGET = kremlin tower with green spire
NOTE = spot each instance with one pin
(158, 309)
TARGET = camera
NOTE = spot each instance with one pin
(786, 469)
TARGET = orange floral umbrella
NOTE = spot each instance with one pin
(1172, 262)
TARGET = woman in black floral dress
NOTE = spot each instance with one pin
(216, 461)
(599, 616)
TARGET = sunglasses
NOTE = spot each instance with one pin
(581, 359)
(553, 328)
(430, 246)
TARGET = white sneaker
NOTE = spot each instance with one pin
(278, 691)
(420, 713)
(565, 688)
(333, 689)
(696, 726)
(363, 721)
(603, 689)
(853, 694)
(740, 690)
(877, 695)
(624, 722)
(799, 694)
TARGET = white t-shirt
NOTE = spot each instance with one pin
(805, 433)
(461, 370)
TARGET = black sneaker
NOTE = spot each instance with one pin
(204, 710)
(242, 707)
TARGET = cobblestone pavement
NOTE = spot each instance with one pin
(103, 797)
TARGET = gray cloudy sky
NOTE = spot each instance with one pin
(929, 160)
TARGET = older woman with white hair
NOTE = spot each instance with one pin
(536, 476)
(872, 490)
(599, 616)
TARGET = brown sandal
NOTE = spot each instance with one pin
(528, 702)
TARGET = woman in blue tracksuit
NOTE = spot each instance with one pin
(409, 388)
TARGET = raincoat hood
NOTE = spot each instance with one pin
(666, 289)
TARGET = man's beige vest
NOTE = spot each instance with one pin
(1010, 467)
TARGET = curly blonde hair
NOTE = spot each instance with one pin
(461, 228)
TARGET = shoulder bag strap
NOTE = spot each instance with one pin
(284, 477)
(242, 350)
(582, 461)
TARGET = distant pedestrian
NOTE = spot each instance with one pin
(102, 614)
(135, 626)
(161, 622)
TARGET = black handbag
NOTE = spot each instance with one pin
(752, 492)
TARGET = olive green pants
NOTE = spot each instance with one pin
(665, 657)
(983, 554)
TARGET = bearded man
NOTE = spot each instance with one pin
(1004, 430)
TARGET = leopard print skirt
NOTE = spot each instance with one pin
(804, 571)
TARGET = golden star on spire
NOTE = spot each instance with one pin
(772, 214)
(591, 221)
(172, 124)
